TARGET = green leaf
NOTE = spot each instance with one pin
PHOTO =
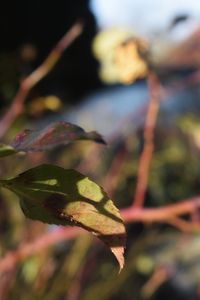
(56, 134)
(6, 150)
(65, 197)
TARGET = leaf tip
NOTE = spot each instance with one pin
(119, 255)
(96, 137)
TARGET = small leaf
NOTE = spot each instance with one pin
(65, 197)
(6, 150)
(56, 134)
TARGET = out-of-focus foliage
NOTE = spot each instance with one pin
(120, 54)
(52, 136)
(49, 103)
(131, 64)
(161, 263)
(84, 267)
(6, 150)
(9, 76)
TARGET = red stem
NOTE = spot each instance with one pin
(9, 261)
(113, 175)
(149, 128)
(160, 214)
(168, 214)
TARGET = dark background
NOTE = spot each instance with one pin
(42, 24)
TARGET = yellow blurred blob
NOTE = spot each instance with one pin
(130, 64)
(41, 104)
(120, 57)
(28, 52)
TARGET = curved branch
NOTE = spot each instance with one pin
(30, 81)
(161, 214)
(167, 214)
(12, 258)
(149, 128)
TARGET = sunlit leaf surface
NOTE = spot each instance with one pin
(65, 197)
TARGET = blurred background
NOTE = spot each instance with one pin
(100, 83)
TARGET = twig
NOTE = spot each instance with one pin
(48, 239)
(149, 127)
(164, 214)
(30, 81)
(74, 290)
(159, 276)
(112, 177)
(161, 214)
(185, 226)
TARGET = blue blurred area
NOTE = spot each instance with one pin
(106, 110)
(146, 17)
(114, 108)
(121, 109)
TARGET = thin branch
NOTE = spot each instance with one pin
(113, 175)
(149, 128)
(161, 214)
(30, 81)
(159, 276)
(184, 226)
(167, 214)
(10, 260)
